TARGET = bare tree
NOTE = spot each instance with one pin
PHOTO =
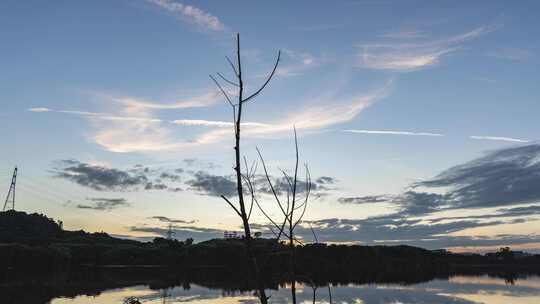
(329, 294)
(293, 208)
(314, 288)
(237, 108)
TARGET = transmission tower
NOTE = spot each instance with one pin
(10, 198)
(170, 232)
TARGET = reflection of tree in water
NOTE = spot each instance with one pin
(510, 278)
(22, 289)
(510, 281)
(165, 295)
(186, 285)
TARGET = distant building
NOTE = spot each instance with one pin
(232, 235)
(440, 251)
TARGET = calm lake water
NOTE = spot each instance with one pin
(459, 289)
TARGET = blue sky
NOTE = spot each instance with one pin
(386, 97)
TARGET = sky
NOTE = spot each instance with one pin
(418, 120)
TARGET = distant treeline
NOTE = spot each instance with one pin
(34, 242)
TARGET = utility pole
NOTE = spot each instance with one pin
(10, 198)
(170, 232)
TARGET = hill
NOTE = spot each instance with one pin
(34, 242)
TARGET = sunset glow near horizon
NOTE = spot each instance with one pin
(419, 123)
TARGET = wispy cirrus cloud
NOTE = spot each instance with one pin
(318, 27)
(386, 132)
(214, 123)
(314, 117)
(138, 128)
(192, 14)
(512, 54)
(147, 133)
(500, 138)
(123, 132)
(404, 34)
(180, 122)
(137, 105)
(411, 56)
(39, 109)
(296, 63)
(96, 115)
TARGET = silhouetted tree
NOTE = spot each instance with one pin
(237, 109)
(505, 253)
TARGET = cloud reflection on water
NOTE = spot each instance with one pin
(459, 290)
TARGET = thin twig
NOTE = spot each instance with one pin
(295, 182)
(232, 66)
(288, 179)
(270, 183)
(308, 191)
(280, 229)
(249, 176)
(222, 91)
(254, 199)
(227, 80)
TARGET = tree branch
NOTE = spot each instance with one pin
(267, 80)
(222, 91)
(249, 176)
(232, 206)
(270, 183)
(226, 80)
(308, 191)
(232, 66)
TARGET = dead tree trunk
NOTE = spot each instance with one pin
(237, 114)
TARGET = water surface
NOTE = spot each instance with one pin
(458, 289)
